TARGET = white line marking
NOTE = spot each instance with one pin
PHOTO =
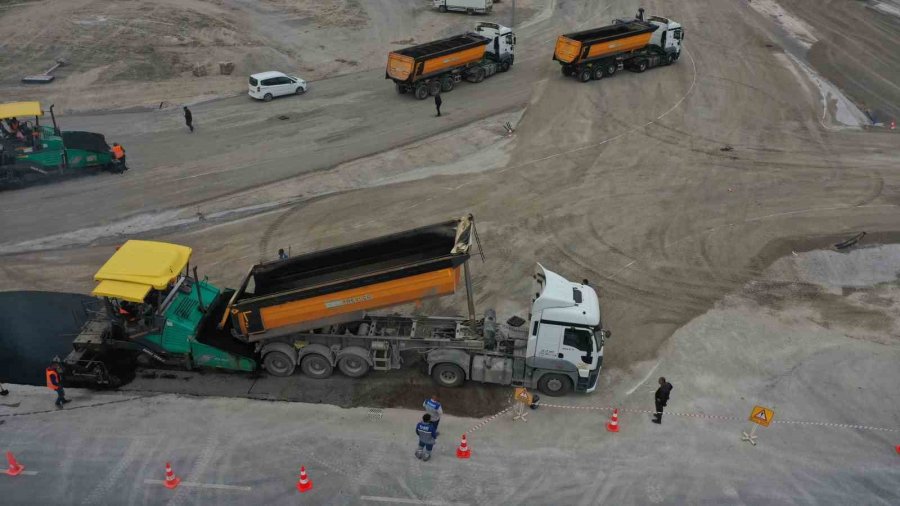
(28, 473)
(645, 377)
(216, 486)
(397, 500)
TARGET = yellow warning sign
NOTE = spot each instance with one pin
(762, 415)
(523, 395)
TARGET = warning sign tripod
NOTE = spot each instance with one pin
(760, 415)
(522, 398)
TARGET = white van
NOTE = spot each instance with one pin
(467, 6)
(268, 85)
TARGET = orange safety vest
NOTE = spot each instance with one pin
(51, 372)
(118, 152)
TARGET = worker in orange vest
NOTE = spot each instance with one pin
(55, 382)
(118, 153)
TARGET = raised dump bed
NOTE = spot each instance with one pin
(338, 284)
(425, 60)
(596, 43)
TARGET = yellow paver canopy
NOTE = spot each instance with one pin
(16, 109)
(138, 266)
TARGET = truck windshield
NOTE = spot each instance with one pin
(578, 339)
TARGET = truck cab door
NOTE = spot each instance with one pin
(577, 348)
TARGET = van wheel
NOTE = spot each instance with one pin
(300, 90)
(448, 375)
(353, 366)
(585, 75)
(597, 73)
(316, 366)
(279, 363)
(555, 385)
(267, 97)
(421, 92)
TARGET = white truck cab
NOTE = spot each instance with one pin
(467, 6)
(502, 47)
(668, 36)
(566, 332)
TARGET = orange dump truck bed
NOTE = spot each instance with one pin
(337, 285)
(617, 38)
(413, 63)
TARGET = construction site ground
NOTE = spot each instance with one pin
(702, 199)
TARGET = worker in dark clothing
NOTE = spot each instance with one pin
(188, 118)
(55, 382)
(427, 437)
(662, 398)
(3, 391)
(438, 102)
(281, 254)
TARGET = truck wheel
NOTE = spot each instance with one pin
(442, 8)
(479, 76)
(670, 59)
(353, 366)
(567, 70)
(504, 66)
(597, 73)
(555, 385)
(470, 12)
(279, 363)
(421, 92)
(642, 66)
(448, 375)
(447, 85)
(401, 90)
(611, 69)
(316, 366)
(585, 75)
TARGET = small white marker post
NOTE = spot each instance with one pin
(760, 415)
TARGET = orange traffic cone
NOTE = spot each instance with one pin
(172, 481)
(463, 451)
(14, 467)
(304, 483)
(613, 425)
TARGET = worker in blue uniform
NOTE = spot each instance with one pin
(433, 408)
(427, 437)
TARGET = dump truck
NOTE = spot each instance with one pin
(437, 66)
(31, 152)
(319, 312)
(633, 44)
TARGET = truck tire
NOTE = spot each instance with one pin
(597, 72)
(421, 92)
(316, 366)
(567, 70)
(641, 66)
(278, 363)
(479, 76)
(448, 375)
(670, 59)
(442, 8)
(584, 75)
(353, 366)
(610, 69)
(555, 385)
(447, 85)
(504, 66)
(470, 12)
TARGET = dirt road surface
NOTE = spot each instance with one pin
(672, 191)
